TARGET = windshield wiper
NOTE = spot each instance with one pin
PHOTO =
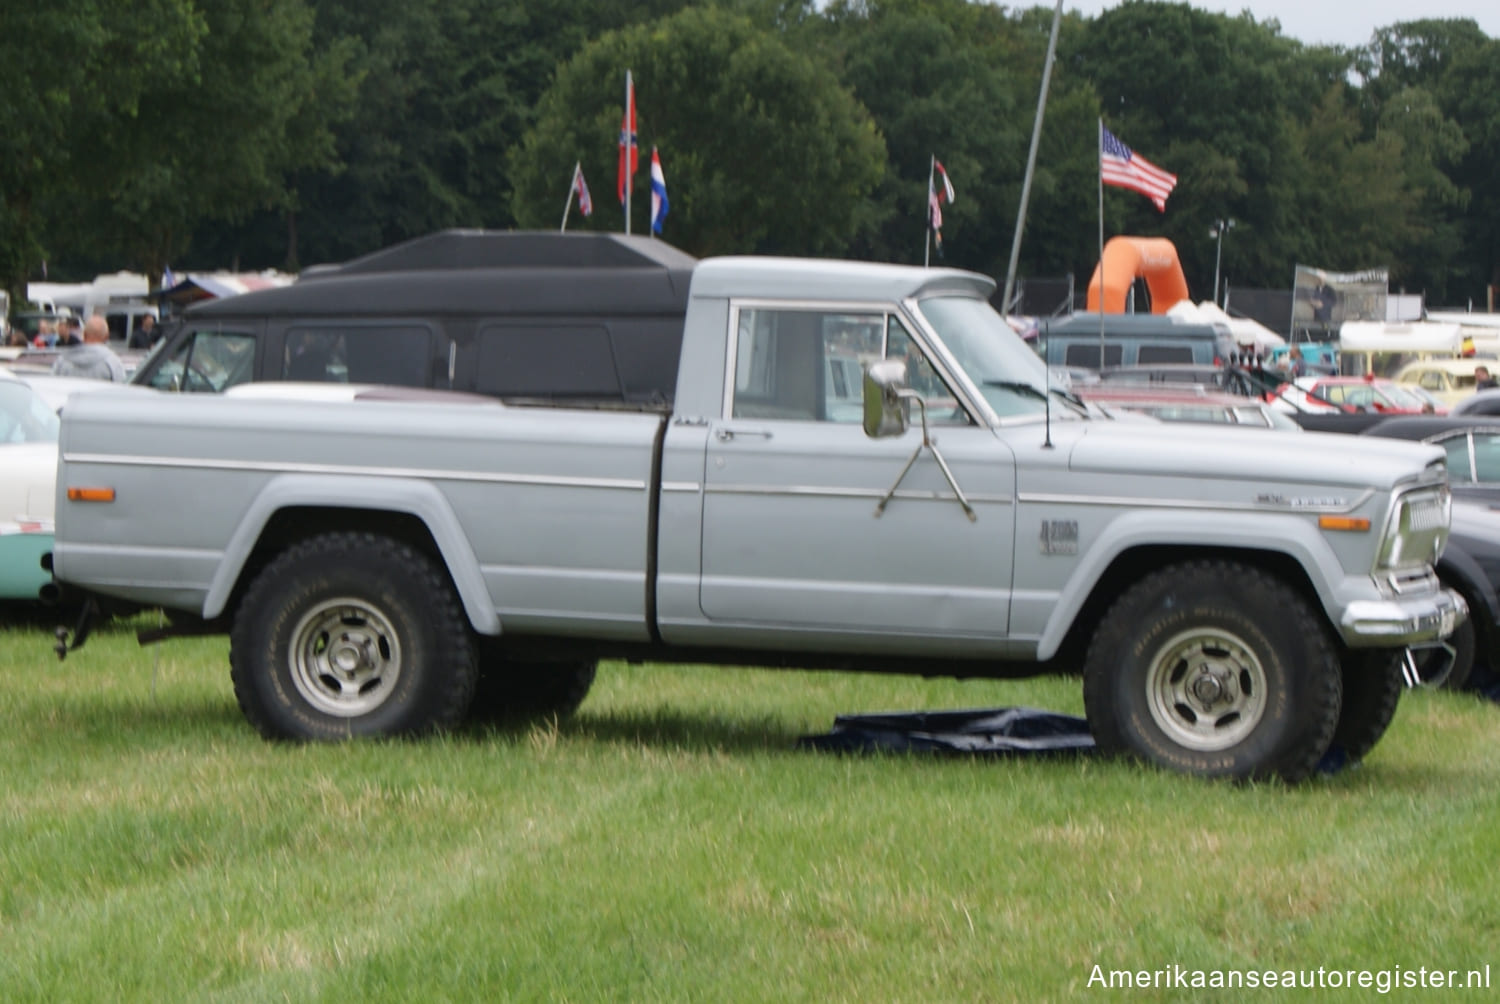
(1019, 387)
(1033, 391)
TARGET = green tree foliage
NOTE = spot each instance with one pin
(761, 147)
(64, 68)
(217, 144)
(446, 89)
(1427, 80)
(1214, 100)
(1471, 95)
(938, 78)
(276, 132)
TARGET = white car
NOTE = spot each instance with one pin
(28, 474)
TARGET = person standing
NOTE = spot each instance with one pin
(69, 332)
(1483, 380)
(93, 359)
(145, 334)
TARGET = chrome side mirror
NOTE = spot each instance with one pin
(887, 410)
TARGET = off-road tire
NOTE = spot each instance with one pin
(513, 691)
(1372, 683)
(351, 634)
(1216, 669)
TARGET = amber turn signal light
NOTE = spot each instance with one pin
(1359, 524)
(91, 494)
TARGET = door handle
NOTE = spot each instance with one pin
(724, 435)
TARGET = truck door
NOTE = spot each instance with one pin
(791, 485)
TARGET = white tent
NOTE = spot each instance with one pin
(1247, 332)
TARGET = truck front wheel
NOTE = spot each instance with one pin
(351, 634)
(1216, 669)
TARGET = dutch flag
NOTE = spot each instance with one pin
(659, 204)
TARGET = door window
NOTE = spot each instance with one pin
(808, 365)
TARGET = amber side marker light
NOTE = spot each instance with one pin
(91, 494)
(1358, 524)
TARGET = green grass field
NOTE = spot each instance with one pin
(670, 843)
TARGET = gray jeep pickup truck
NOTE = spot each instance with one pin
(861, 467)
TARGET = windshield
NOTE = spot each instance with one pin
(1012, 378)
(24, 416)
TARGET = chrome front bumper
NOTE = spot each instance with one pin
(1403, 621)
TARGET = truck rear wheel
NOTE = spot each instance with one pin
(516, 691)
(351, 634)
(1216, 669)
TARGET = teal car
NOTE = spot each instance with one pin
(28, 475)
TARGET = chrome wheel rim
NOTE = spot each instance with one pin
(345, 658)
(1206, 689)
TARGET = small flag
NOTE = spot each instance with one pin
(630, 152)
(581, 187)
(168, 280)
(947, 185)
(659, 204)
(1120, 166)
(935, 217)
(935, 199)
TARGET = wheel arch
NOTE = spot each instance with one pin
(295, 507)
(1134, 563)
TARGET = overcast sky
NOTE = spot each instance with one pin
(1329, 22)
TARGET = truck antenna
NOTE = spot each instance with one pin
(1047, 387)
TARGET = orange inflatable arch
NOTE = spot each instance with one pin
(1127, 259)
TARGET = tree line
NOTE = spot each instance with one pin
(281, 133)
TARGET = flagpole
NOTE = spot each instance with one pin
(927, 212)
(1100, 162)
(630, 146)
(1036, 136)
(572, 187)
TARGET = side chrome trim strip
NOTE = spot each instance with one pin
(281, 467)
(1047, 498)
(804, 491)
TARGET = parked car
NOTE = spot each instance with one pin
(1471, 441)
(1232, 379)
(1186, 403)
(1129, 340)
(1365, 393)
(1471, 565)
(1449, 380)
(28, 474)
(578, 317)
(1481, 402)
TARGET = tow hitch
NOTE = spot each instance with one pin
(81, 630)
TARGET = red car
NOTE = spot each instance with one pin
(1366, 393)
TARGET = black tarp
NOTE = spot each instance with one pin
(980, 730)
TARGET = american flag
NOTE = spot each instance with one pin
(1119, 165)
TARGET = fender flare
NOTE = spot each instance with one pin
(1282, 534)
(412, 497)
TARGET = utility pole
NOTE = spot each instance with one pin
(1217, 232)
(1036, 135)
